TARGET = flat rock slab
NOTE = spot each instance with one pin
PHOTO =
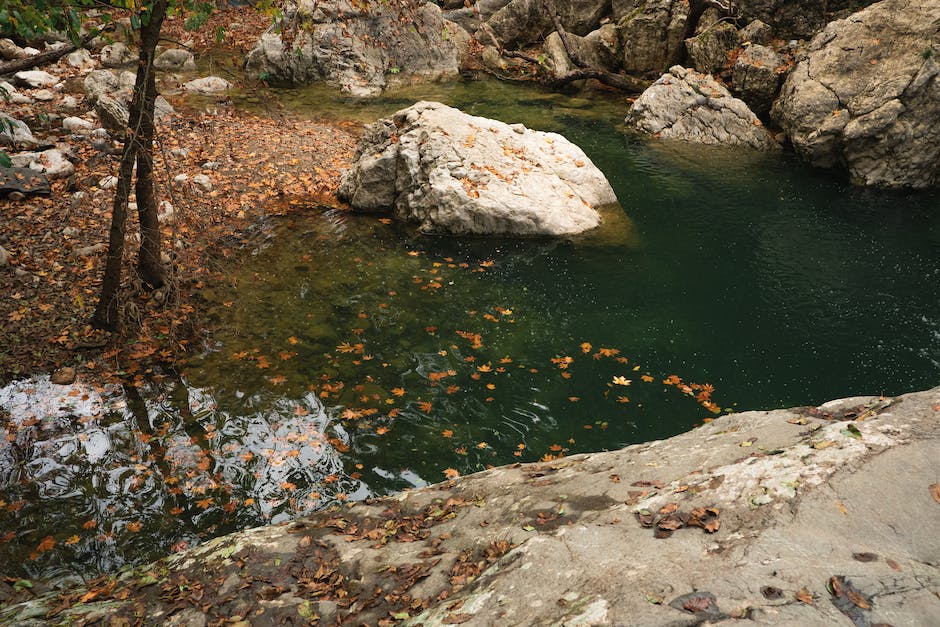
(806, 516)
(23, 180)
(461, 174)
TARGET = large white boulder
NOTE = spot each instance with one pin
(457, 173)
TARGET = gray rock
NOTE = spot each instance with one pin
(15, 133)
(688, 106)
(9, 93)
(52, 162)
(361, 52)
(757, 32)
(523, 22)
(867, 96)
(108, 182)
(44, 95)
(118, 55)
(78, 125)
(651, 33)
(175, 60)
(10, 51)
(790, 19)
(599, 49)
(709, 49)
(35, 78)
(99, 82)
(202, 183)
(69, 102)
(207, 85)
(23, 180)
(756, 77)
(456, 173)
(80, 58)
(112, 113)
(4, 257)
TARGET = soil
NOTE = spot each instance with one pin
(259, 165)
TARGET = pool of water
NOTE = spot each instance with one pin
(352, 357)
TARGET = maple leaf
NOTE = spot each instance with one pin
(586, 347)
(447, 433)
(425, 406)
(204, 503)
(381, 430)
(46, 544)
(398, 391)
(73, 539)
(451, 473)
(619, 380)
(292, 340)
(134, 526)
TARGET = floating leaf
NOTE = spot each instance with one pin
(934, 489)
(620, 380)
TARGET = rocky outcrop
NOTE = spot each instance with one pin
(651, 33)
(808, 516)
(523, 22)
(756, 77)
(456, 173)
(361, 50)
(688, 106)
(713, 42)
(867, 96)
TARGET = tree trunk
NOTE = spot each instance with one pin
(107, 312)
(149, 265)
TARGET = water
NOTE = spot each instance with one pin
(355, 358)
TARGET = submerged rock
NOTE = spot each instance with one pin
(362, 52)
(867, 96)
(456, 173)
(693, 107)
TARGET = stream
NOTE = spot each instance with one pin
(352, 358)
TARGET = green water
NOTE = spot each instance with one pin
(352, 357)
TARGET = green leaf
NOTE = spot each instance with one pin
(400, 615)
(852, 431)
(5, 161)
(22, 584)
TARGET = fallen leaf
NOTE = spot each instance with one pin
(805, 596)
(934, 489)
(842, 508)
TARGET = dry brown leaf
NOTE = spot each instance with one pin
(805, 596)
(934, 489)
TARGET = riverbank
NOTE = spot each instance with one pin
(249, 167)
(798, 516)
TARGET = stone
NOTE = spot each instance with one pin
(118, 55)
(175, 60)
(692, 107)
(456, 173)
(44, 95)
(866, 98)
(35, 78)
(79, 59)
(112, 114)
(522, 22)
(90, 250)
(363, 53)
(651, 33)
(15, 133)
(69, 102)
(4, 257)
(9, 93)
(77, 125)
(63, 376)
(207, 85)
(756, 32)
(756, 77)
(52, 162)
(24, 181)
(108, 182)
(599, 49)
(710, 47)
(100, 82)
(202, 183)
(9, 51)
(790, 19)
(165, 212)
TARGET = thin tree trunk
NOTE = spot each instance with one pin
(149, 264)
(107, 312)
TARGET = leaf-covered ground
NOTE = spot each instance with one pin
(262, 164)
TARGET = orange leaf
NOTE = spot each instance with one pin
(398, 391)
(451, 473)
(45, 544)
(447, 433)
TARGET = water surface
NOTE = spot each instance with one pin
(352, 357)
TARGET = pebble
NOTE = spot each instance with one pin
(63, 376)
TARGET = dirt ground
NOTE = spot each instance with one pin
(261, 165)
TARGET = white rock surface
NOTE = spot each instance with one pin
(36, 78)
(457, 173)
